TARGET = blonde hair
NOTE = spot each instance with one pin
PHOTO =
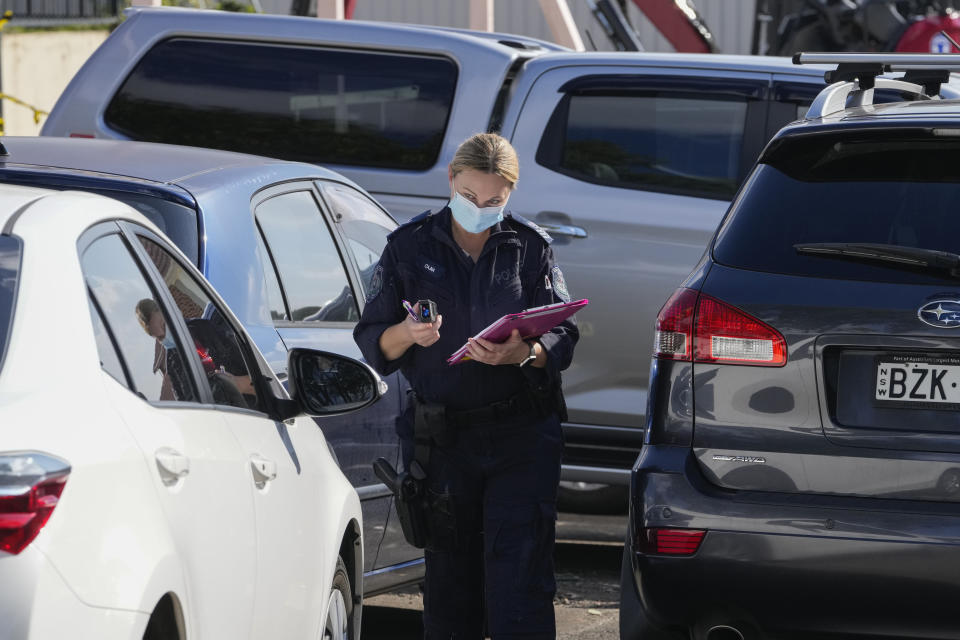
(490, 153)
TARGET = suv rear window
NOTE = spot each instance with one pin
(882, 187)
(9, 273)
(294, 102)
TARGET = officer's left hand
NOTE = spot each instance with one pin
(512, 351)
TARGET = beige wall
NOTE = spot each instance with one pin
(36, 67)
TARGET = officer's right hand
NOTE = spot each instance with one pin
(423, 333)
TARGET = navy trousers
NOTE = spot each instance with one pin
(495, 491)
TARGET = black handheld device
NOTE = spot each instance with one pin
(428, 310)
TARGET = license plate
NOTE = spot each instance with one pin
(918, 382)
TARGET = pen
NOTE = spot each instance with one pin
(409, 308)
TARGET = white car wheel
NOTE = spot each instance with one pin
(339, 606)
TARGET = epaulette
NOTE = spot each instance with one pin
(412, 222)
(532, 226)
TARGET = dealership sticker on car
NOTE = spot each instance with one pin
(918, 382)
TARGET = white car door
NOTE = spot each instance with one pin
(199, 468)
(282, 463)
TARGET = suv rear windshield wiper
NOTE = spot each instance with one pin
(893, 255)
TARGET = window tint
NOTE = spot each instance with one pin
(140, 324)
(658, 142)
(215, 341)
(364, 225)
(293, 102)
(9, 273)
(278, 308)
(109, 358)
(885, 188)
(311, 271)
(178, 222)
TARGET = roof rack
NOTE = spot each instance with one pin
(858, 74)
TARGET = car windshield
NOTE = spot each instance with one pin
(898, 189)
(9, 273)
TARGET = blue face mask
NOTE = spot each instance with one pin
(473, 218)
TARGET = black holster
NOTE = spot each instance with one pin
(417, 508)
(409, 498)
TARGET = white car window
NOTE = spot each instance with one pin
(138, 321)
(216, 342)
(109, 358)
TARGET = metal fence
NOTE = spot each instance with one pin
(34, 12)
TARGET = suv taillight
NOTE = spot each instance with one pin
(30, 487)
(674, 336)
(693, 326)
(669, 542)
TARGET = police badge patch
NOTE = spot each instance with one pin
(559, 284)
(376, 283)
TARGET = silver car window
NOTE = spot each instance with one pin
(684, 143)
(321, 105)
(311, 270)
(364, 225)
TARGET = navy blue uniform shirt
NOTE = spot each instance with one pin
(515, 271)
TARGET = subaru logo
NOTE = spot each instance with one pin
(944, 314)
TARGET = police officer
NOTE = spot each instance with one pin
(492, 459)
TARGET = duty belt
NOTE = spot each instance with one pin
(518, 406)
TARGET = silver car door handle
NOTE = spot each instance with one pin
(563, 230)
(172, 464)
(263, 469)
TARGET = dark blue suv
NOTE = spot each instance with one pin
(800, 475)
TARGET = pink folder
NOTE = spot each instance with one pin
(530, 323)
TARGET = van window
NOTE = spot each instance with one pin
(294, 102)
(657, 142)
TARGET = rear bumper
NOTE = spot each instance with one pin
(796, 564)
(35, 603)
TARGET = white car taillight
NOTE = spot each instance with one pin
(696, 327)
(30, 487)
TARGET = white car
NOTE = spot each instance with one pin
(155, 480)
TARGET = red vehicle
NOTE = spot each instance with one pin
(926, 35)
(855, 25)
